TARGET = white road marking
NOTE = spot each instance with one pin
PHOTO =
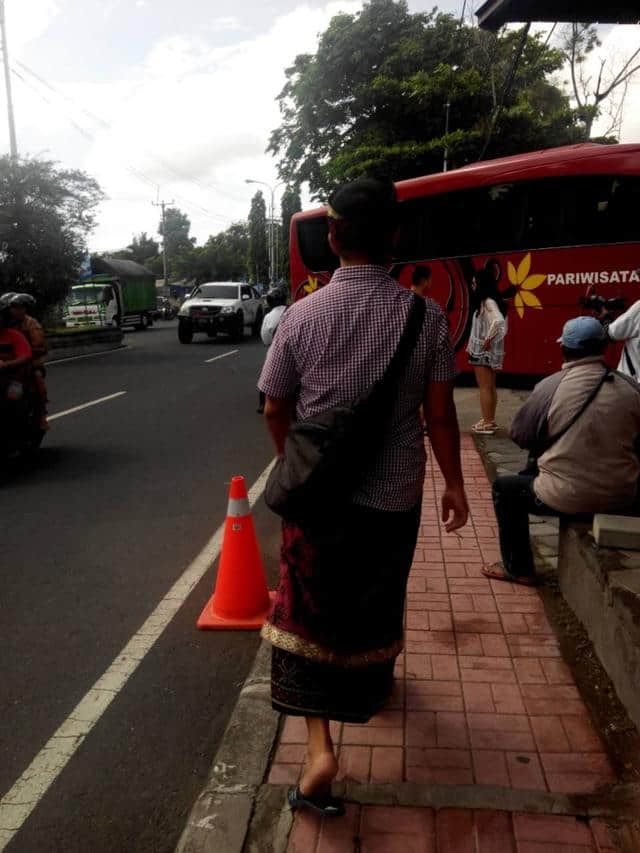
(86, 405)
(224, 355)
(87, 355)
(18, 803)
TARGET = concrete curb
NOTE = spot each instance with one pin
(220, 819)
(616, 801)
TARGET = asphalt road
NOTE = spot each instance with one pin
(121, 499)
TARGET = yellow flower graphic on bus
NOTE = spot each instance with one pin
(524, 284)
(312, 285)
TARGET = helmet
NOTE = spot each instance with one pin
(276, 296)
(23, 299)
(5, 300)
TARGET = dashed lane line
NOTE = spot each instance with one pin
(19, 802)
(86, 405)
(55, 361)
(224, 355)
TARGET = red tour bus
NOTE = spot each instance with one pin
(550, 223)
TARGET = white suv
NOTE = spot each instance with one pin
(220, 306)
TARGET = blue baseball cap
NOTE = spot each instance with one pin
(576, 332)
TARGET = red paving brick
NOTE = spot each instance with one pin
(383, 829)
(488, 701)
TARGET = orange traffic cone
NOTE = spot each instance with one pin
(240, 599)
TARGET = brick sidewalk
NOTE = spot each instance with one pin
(482, 698)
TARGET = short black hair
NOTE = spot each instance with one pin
(420, 273)
(368, 211)
(589, 349)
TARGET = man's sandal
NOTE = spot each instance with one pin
(497, 572)
(327, 806)
(484, 428)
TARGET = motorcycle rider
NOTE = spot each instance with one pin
(22, 321)
(15, 356)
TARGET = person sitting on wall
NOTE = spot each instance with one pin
(582, 426)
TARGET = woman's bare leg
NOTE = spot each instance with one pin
(322, 765)
(486, 379)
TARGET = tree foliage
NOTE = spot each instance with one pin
(258, 265)
(222, 258)
(46, 214)
(142, 249)
(372, 100)
(177, 226)
(289, 205)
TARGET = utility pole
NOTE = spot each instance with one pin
(271, 229)
(163, 204)
(7, 81)
(447, 109)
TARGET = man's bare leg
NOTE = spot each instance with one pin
(322, 765)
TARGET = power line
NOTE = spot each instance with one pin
(141, 176)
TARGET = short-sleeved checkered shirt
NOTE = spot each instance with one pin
(336, 343)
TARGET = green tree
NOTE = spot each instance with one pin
(372, 100)
(258, 249)
(289, 205)
(222, 258)
(142, 249)
(46, 215)
(178, 242)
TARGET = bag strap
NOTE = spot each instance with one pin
(548, 444)
(630, 365)
(407, 343)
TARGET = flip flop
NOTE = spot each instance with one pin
(326, 806)
(497, 572)
(482, 428)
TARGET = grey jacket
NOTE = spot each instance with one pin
(594, 465)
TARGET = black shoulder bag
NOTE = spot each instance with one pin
(327, 456)
(547, 444)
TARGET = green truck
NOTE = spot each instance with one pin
(118, 293)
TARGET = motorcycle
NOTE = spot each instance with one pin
(20, 432)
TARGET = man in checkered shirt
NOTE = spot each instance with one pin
(336, 626)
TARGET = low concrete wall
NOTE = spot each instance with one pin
(602, 586)
(83, 343)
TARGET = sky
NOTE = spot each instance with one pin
(175, 101)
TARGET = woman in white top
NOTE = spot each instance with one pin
(486, 344)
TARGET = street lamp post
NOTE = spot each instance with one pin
(273, 259)
(447, 109)
(7, 80)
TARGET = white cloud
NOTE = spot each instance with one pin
(27, 22)
(225, 23)
(196, 124)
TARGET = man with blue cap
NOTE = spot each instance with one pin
(581, 427)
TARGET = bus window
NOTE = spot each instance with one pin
(520, 216)
(623, 209)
